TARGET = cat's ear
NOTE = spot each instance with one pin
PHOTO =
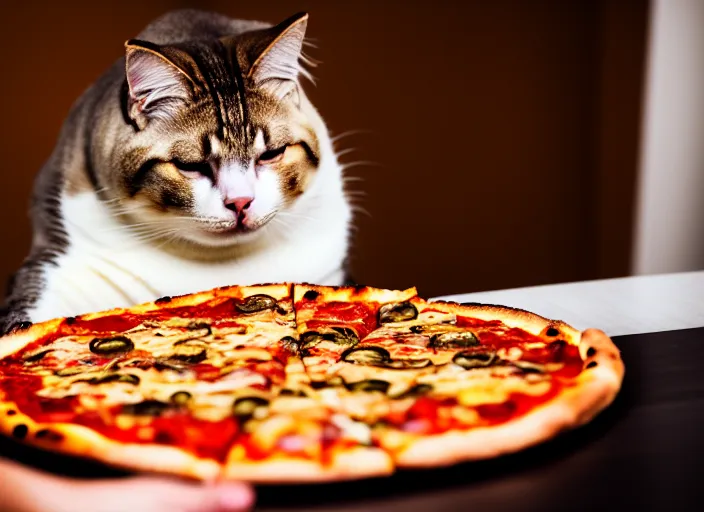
(276, 57)
(157, 86)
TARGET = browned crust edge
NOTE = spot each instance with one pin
(80, 441)
(350, 464)
(352, 293)
(513, 317)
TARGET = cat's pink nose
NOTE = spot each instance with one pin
(239, 204)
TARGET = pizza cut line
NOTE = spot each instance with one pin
(294, 383)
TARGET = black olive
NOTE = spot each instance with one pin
(199, 325)
(345, 331)
(180, 397)
(310, 339)
(454, 339)
(311, 295)
(552, 332)
(189, 351)
(71, 370)
(20, 431)
(330, 383)
(37, 355)
(339, 335)
(591, 352)
(405, 364)
(166, 364)
(292, 392)
(417, 390)
(369, 385)
(289, 343)
(49, 435)
(528, 367)
(193, 358)
(245, 406)
(115, 377)
(342, 336)
(146, 408)
(112, 345)
(129, 378)
(372, 356)
(255, 303)
(469, 360)
(397, 312)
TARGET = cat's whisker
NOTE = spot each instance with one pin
(355, 194)
(358, 209)
(297, 216)
(344, 152)
(348, 133)
(310, 41)
(282, 221)
(360, 163)
(131, 227)
(310, 61)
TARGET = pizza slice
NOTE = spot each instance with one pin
(163, 386)
(297, 438)
(498, 380)
(347, 374)
(332, 320)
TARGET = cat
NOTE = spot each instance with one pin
(196, 161)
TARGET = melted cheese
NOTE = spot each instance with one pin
(228, 350)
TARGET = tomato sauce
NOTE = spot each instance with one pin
(360, 316)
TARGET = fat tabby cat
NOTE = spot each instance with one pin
(195, 161)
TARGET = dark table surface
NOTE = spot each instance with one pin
(646, 451)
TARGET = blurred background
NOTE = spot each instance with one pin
(499, 143)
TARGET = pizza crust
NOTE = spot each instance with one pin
(350, 464)
(18, 339)
(595, 389)
(352, 294)
(81, 441)
(513, 317)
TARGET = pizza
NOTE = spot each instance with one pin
(300, 383)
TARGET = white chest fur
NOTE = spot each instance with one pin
(105, 266)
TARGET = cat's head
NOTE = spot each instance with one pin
(221, 143)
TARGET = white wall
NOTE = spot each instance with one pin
(669, 233)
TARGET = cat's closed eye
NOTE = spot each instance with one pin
(193, 169)
(271, 155)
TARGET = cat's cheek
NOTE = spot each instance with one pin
(207, 201)
(267, 195)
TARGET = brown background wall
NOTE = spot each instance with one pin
(503, 134)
